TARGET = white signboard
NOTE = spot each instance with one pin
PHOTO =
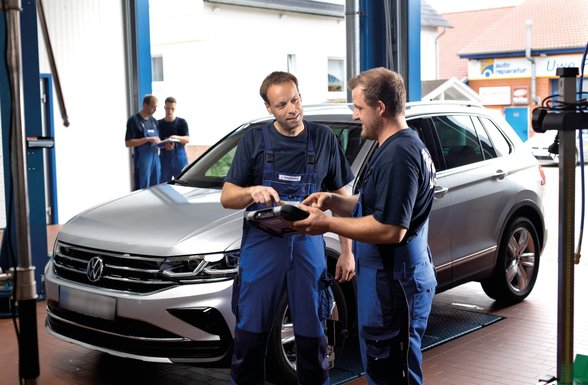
(495, 96)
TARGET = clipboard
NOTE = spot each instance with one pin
(164, 142)
(276, 220)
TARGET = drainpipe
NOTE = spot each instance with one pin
(352, 15)
(437, 52)
(529, 26)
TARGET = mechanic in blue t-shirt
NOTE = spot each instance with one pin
(173, 130)
(388, 222)
(142, 135)
(285, 160)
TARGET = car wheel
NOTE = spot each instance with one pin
(281, 349)
(517, 263)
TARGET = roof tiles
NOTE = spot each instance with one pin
(556, 25)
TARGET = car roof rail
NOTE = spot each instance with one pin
(463, 103)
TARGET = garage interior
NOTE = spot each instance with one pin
(470, 340)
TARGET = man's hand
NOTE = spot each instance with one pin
(153, 139)
(320, 200)
(316, 223)
(264, 195)
(345, 269)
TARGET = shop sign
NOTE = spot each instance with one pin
(520, 95)
(510, 68)
(495, 96)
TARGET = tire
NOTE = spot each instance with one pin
(281, 348)
(517, 263)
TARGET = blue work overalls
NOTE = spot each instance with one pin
(146, 156)
(174, 160)
(270, 264)
(395, 289)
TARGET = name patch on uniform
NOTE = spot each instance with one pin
(290, 178)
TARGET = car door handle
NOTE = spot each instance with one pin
(499, 175)
(440, 191)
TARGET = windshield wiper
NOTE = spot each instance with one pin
(180, 182)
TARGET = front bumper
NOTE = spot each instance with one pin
(182, 324)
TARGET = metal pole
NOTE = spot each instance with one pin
(567, 178)
(352, 39)
(24, 277)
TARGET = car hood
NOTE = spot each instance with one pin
(163, 220)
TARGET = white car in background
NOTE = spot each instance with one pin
(539, 145)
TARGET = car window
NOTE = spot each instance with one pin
(349, 137)
(487, 148)
(500, 144)
(458, 139)
(210, 170)
(424, 127)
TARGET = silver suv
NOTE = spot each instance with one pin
(149, 275)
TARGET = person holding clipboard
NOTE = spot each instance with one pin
(285, 160)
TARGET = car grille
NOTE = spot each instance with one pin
(131, 273)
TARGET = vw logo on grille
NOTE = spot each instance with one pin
(95, 269)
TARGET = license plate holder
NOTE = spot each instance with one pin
(91, 304)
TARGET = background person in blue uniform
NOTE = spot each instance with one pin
(172, 155)
(395, 274)
(142, 135)
(287, 160)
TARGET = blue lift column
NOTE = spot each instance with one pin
(143, 42)
(390, 36)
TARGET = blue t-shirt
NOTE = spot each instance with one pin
(400, 184)
(332, 169)
(138, 128)
(178, 127)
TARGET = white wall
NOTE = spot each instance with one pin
(91, 157)
(428, 53)
(214, 59)
(216, 56)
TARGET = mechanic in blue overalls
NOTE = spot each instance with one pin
(388, 222)
(285, 160)
(174, 133)
(143, 136)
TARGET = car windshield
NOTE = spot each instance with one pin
(210, 169)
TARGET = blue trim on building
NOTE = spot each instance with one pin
(143, 49)
(495, 55)
(414, 51)
(366, 32)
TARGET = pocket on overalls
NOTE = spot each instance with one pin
(325, 300)
(235, 295)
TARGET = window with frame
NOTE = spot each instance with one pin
(157, 68)
(336, 75)
(458, 139)
(500, 144)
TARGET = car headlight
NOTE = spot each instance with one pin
(202, 266)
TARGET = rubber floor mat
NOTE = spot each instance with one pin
(445, 324)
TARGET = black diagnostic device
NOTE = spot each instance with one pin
(276, 220)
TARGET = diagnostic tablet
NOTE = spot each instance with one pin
(276, 220)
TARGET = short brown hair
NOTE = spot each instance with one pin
(147, 99)
(276, 77)
(381, 84)
(170, 99)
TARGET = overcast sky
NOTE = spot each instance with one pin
(445, 6)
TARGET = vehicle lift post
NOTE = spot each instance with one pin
(567, 122)
(23, 277)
